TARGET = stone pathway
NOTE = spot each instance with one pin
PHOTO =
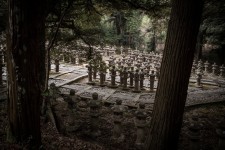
(69, 75)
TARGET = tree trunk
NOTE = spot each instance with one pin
(25, 63)
(174, 75)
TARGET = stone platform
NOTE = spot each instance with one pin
(69, 77)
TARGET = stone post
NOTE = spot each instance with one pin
(152, 80)
(121, 75)
(56, 65)
(125, 76)
(206, 67)
(113, 77)
(142, 77)
(89, 66)
(53, 93)
(131, 73)
(95, 69)
(214, 67)
(136, 82)
(72, 100)
(102, 74)
(95, 112)
(199, 76)
(105, 72)
(118, 111)
(140, 122)
(222, 68)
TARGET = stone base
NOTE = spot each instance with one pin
(113, 86)
(125, 88)
(136, 91)
(102, 85)
(91, 83)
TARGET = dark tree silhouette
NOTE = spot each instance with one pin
(174, 75)
(25, 66)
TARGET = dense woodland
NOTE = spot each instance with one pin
(32, 32)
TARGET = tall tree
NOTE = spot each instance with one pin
(174, 75)
(25, 65)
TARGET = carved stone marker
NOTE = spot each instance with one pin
(95, 112)
(113, 77)
(136, 82)
(118, 111)
(56, 65)
(152, 80)
(140, 122)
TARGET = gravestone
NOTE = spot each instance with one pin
(131, 73)
(118, 111)
(113, 77)
(140, 123)
(136, 82)
(95, 112)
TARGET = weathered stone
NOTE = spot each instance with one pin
(118, 111)
(95, 112)
(140, 122)
(136, 82)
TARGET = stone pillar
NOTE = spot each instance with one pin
(105, 72)
(89, 66)
(95, 69)
(102, 74)
(152, 80)
(113, 77)
(136, 82)
(142, 77)
(71, 100)
(140, 123)
(53, 93)
(199, 76)
(206, 67)
(222, 68)
(121, 75)
(131, 73)
(95, 112)
(214, 67)
(118, 111)
(72, 59)
(125, 76)
(194, 135)
(56, 65)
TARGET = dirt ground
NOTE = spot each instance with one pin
(76, 125)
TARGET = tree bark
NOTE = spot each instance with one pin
(25, 55)
(174, 75)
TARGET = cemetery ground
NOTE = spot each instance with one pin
(76, 125)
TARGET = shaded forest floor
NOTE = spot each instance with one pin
(75, 125)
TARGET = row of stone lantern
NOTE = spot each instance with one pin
(135, 77)
(118, 118)
(204, 68)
